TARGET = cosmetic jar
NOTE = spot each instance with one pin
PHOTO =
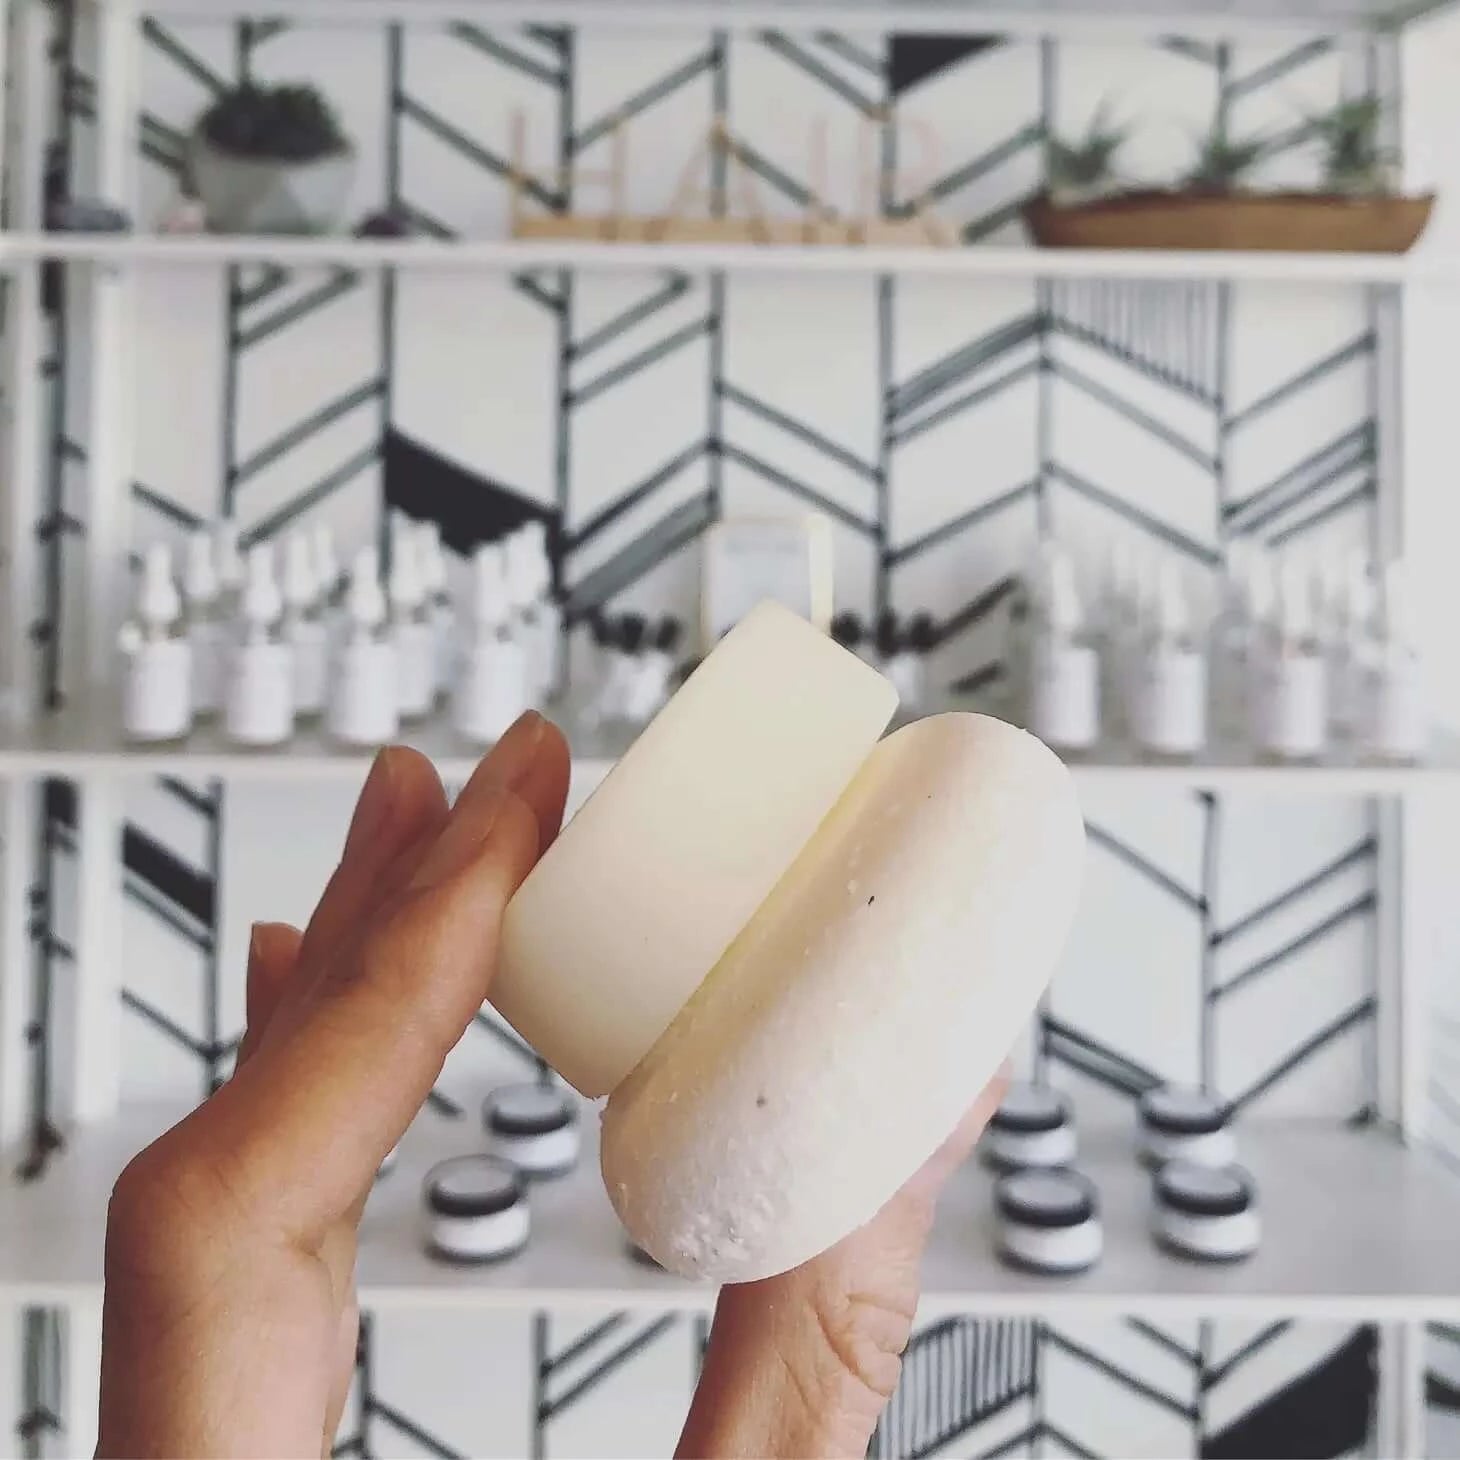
(1032, 1128)
(1184, 1124)
(1205, 1212)
(535, 1127)
(476, 1209)
(1049, 1221)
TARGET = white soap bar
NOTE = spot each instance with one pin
(668, 860)
(854, 1022)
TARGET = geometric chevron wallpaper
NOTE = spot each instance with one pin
(940, 425)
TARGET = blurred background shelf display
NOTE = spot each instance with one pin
(1385, 1251)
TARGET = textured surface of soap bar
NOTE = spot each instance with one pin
(855, 1020)
(668, 860)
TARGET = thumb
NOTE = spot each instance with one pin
(303, 1127)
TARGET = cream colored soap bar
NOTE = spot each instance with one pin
(670, 858)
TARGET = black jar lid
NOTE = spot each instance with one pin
(1030, 1110)
(528, 1110)
(1176, 1110)
(1204, 1191)
(473, 1186)
(1054, 1200)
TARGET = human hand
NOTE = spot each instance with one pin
(230, 1318)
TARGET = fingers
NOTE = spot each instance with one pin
(273, 956)
(401, 803)
(305, 1125)
(803, 1363)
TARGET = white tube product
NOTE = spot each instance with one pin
(1049, 1222)
(1032, 1128)
(492, 688)
(759, 882)
(1292, 708)
(157, 662)
(208, 629)
(364, 703)
(1182, 1124)
(411, 631)
(1394, 715)
(1064, 685)
(259, 701)
(476, 1210)
(535, 1127)
(1171, 693)
(1205, 1212)
(304, 629)
(439, 607)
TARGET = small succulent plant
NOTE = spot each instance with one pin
(291, 123)
(1354, 158)
(1086, 165)
(1223, 162)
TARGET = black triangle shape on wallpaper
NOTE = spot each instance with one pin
(1327, 1411)
(469, 508)
(914, 58)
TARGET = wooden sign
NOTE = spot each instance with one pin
(692, 214)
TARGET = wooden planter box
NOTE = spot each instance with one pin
(1290, 222)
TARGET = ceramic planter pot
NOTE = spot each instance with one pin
(255, 195)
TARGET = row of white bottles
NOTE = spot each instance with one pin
(264, 652)
(1272, 676)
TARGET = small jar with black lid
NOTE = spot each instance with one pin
(1205, 1212)
(535, 1127)
(476, 1209)
(1032, 1129)
(1049, 1221)
(1182, 1124)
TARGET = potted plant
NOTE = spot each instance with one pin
(271, 159)
(1082, 169)
(1355, 161)
(1221, 163)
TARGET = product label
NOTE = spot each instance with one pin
(1064, 695)
(1171, 701)
(1293, 706)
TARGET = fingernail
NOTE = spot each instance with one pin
(512, 756)
(463, 835)
(373, 808)
(253, 943)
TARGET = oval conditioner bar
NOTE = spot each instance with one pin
(668, 860)
(858, 1014)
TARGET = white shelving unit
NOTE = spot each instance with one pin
(1385, 1252)
(606, 256)
(1358, 1225)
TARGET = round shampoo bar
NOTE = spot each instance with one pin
(1183, 1124)
(792, 954)
(668, 859)
(1205, 1212)
(1049, 1221)
(1032, 1128)
(535, 1127)
(476, 1209)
